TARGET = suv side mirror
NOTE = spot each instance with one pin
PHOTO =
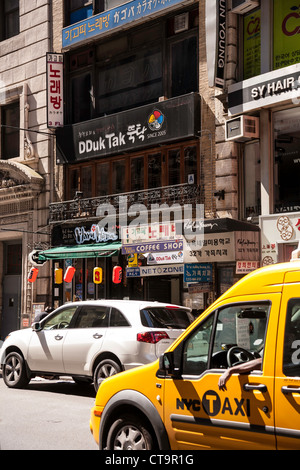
(36, 326)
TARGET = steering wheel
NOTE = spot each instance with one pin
(237, 349)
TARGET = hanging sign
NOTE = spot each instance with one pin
(55, 86)
(215, 19)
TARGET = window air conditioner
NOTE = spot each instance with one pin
(243, 6)
(242, 128)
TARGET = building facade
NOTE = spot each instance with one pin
(266, 96)
(144, 134)
(25, 159)
(126, 154)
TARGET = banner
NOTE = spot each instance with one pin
(286, 33)
(252, 44)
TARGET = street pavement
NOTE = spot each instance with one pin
(47, 415)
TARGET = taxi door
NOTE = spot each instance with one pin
(198, 415)
(287, 381)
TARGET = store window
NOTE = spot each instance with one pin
(252, 180)
(10, 132)
(9, 19)
(287, 160)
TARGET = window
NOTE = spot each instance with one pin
(154, 171)
(9, 19)
(287, 159)
(102, 185)
(132, 69)
(291, 353)
(252, 180)
(190, 164)
(81, 98)
(117, 318)
(13, 259)
(10, 119)
(240, 326)
(118, 177)
(184, 62)
(164, 317)
(174, 166)
(61, 319)
(137, 174)
(92, 317)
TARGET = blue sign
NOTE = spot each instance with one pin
(152, 247)
(197, 272)
(112, 19)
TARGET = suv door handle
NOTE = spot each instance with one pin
(286, 390)
(97, 336)
(260, 387)
(58, 337)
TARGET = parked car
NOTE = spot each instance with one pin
(231, 381)
(92, 340)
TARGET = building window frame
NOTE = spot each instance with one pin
(10, 130)
(9, 19)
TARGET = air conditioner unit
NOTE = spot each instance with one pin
(243, 6)
(242, 128)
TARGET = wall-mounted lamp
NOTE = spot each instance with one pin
(220, 194)
(78, 195)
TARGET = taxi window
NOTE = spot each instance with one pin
(291, 352)
(242, 326)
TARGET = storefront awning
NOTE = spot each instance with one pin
(95, 250)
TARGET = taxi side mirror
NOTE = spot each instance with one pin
(167, 364)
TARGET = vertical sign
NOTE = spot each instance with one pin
(215, 19)
(286, 48)
(55, 99)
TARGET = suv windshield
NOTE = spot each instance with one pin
(166, 317)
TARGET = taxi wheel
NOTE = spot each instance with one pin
(129, 433)
(106, 368)
(14, 371)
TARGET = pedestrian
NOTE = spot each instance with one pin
(39, 316)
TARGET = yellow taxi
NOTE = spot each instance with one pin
(230, 381)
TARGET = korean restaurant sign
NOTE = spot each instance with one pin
(55, 98)
(145, 126)
(223, 247)
(118, 17)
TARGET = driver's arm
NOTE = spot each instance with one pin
(255, 364)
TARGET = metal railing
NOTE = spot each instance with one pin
(81, 208)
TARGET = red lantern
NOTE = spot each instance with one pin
(33, 274)
(69, 274)
(117, 275)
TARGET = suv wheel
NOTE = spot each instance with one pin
(129, 433)
(106, 368)
(14, 371)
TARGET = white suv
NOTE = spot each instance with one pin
(92, 340)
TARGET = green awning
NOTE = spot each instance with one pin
(95, 250)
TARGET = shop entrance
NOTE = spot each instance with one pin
(163, 289)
